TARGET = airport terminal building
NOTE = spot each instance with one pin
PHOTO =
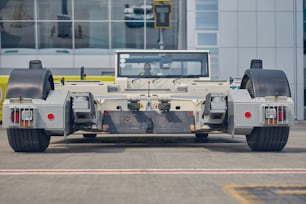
(69, 34)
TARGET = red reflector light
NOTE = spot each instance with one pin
(15, 116)
(247, 114)
(281, 114)
(51, 116)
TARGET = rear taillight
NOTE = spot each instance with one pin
(281, 114)
(15, 117)
(275, 115)
(22, 117)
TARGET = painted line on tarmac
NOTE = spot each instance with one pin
(146, 171)
(255, 194)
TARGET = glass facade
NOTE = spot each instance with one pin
(165, 65)
(304, 20)
(84, 26)
(207, 27)
(304, 24)
(54, 24)
(17, 24)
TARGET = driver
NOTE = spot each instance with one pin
(147, 70)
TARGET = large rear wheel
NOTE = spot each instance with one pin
(28, 140)
(35, 83)
(268, 138)
(261, 83)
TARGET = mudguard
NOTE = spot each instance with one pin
(265, 82)
(30, 83)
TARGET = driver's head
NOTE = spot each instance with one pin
(147, 66)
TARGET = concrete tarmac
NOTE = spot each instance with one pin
(154, 169)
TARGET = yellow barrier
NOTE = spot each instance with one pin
(3, 83)
(57, 79)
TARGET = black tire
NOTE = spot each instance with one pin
(35, 83)
(30, 83)
(28, 140)
(90, 136)
(264, 82)
(201, 135)
(268, 138)
(261, 83)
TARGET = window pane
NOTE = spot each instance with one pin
(174, 13)
(152, 36)
(54, 10)
(165, 65)
(207, 39)
(207, 5)
(17, 10)
(91, 10)
(91, 35)
(18, 35)
(207, 20)
(129, 10)
(127, 37)
(54, 35)
(118, 8)
(136, 10)
(170, 38)
(138, 18)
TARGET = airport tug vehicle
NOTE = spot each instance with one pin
(178, 96)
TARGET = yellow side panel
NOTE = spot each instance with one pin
(57, 78)
(3, 84)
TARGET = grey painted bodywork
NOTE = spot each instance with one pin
(195, 105)
(57, 102)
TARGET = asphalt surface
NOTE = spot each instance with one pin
(154, 169)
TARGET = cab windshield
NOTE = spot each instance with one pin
(162, 64)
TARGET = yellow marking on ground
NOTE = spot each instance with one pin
(242, 196)
(268, 186)
(293, 192)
